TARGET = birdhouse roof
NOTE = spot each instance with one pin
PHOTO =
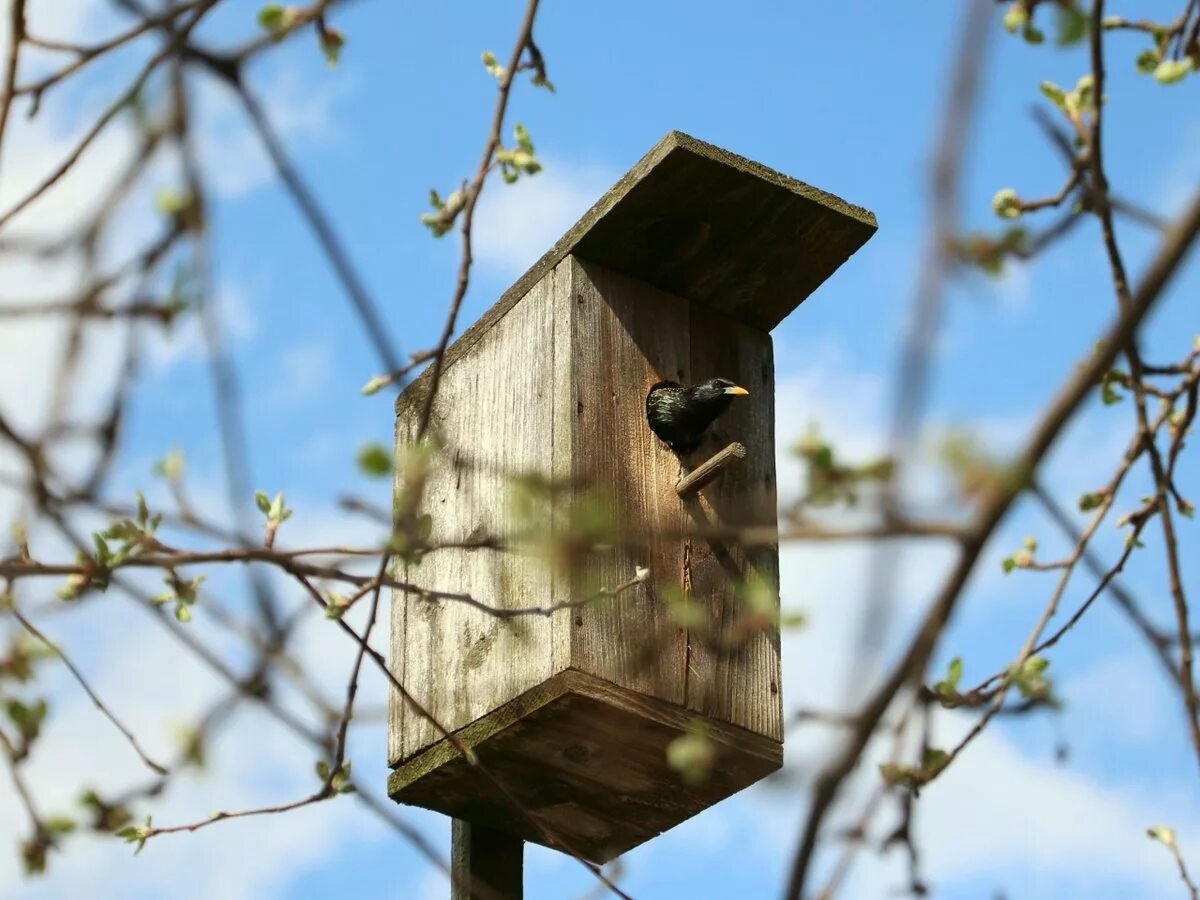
(710, 226)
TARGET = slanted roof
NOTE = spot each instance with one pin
(710, 226)
(720, 230)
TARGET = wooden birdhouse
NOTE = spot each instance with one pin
(645, 686)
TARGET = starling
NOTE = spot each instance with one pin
(680, 416)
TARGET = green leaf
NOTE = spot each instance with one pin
(1090, 501)
(262, 502)
(947, 688)
(59, 825)
(1108, 386)
(103, 554)
(1164, 834)
(492, 65)
(270, 16)
(1170, 71)
(332, 42)
(336, 605)
(955, 672)
(1085, 90)
(1071, 25)
(374, 460)
(340, 777)
(687, 613)
(521, 133)
(692, 755)
(933, 761)
(1030, 679)
(183, 612)
(793, 620)
(1054, 93)
(27, 719)
(376, 384)
(171, 202)
(1148, 61)
(1016, 18)
(136, 834)
(171, 465)
(1006, 204)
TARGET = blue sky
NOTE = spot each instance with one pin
(845, 96)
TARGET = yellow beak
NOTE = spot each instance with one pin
(736, 391)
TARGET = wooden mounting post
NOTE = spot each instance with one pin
(710, 469)
(486, 864)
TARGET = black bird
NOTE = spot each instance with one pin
(680, 416)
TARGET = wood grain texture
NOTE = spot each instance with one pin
(725, 232)
(710, 470)
(562, 471)
(588, 758)
(708, 225)
(733, 660)
(625, 337)
(405, 431)
(487, 864)
(493, 416)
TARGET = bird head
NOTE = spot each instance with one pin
(715, 388)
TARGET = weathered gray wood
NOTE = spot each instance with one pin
(494, 419)
(710, 470)
(588, 759)
(676, 273)
(562, 472)
(724, 231)
(406, 429)
(625, 337)
(486, 864)
(733, 660)
(559, 389)
(708, 225)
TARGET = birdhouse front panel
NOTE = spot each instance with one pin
(691, 634)
(555, 394)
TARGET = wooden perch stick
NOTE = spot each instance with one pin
(710, 469)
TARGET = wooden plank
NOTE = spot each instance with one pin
(725, 232)
(405, 431)
(493, 416)
(487, 864)
(563, 468)
(733, 660)
(588, 759)
(706, 224)
(710, 470)
(625, 337)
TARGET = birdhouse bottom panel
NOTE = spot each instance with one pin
(585, 766)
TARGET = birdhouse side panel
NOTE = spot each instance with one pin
(733, 655)
(493, 418)
(625, 337)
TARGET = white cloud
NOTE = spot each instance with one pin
(301, 113)
(517, 223)
(299, 375)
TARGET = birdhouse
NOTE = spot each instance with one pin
(632, 677)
